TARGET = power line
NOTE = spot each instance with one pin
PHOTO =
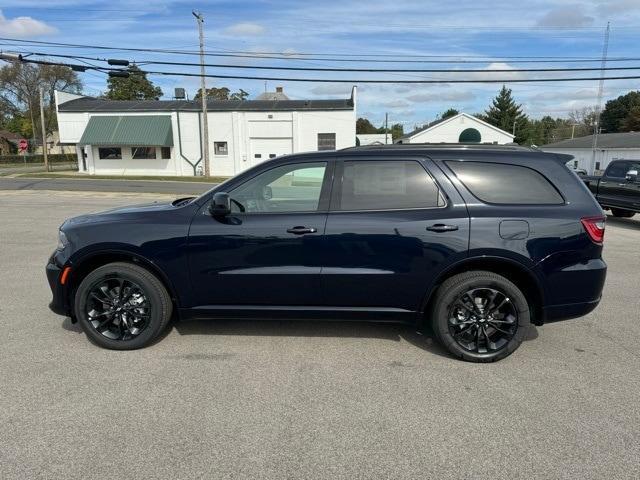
(337, 69)
(326, 80)
(307, 56)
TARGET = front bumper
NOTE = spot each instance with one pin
(59, 303)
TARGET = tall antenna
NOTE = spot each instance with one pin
(596, 126)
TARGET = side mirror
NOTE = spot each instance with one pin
(267, 193)
(220, 205)
(632, 176)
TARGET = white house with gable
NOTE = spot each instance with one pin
(164, 137)
(461, 128)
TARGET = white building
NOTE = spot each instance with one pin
(373, 139)
(163, 137)
(461, 128)
(611, 146)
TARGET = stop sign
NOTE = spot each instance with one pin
(23, 145)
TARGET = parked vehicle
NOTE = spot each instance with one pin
(618, 189)
(475, 242)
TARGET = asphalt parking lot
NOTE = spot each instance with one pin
(306, 400)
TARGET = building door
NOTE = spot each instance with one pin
(262, 149)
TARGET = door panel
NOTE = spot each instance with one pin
(612, 186)
(266, 252)
(253, 260)
(265, 148)
(388, 258)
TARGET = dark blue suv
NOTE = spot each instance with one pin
(475, 242)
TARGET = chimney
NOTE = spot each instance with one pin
(278, 89)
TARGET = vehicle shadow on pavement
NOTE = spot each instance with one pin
(627, 223)
(316, 328)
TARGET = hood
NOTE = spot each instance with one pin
(126, 211)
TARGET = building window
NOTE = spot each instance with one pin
(220, 148)
(597, 165)
(257, 155)
(272, 155)
(326, 141)
(470, 135)
(165, 153)
(141, 153)
(110, 153)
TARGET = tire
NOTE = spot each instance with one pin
(458, 327)
(617, 212)
(122, 306)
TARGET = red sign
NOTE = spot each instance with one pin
(23, 145)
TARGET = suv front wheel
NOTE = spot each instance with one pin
(122, 306)
(480, 316)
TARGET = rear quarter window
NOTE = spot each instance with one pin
(506, 184)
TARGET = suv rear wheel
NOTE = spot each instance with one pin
(122, 306)
(480, 316)
(618, 212)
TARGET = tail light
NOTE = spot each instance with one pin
(594, 226)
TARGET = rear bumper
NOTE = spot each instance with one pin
(574, 290)
(555, 313)
(59, 303)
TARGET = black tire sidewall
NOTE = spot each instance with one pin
(455, 286)
(151, 288)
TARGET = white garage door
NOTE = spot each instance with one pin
(262, 149)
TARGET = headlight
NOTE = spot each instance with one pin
(62, 240)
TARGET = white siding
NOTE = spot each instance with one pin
(584, 157)
(245, 133)
(449, 131)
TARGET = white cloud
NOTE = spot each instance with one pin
(244, 29)
(452, 96)
(565, 16)
(23, 27)
(332, 89)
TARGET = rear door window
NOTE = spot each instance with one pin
(505, 184)
(617, 169)
(387, 185)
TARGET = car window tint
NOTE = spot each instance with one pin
(289, 188)
(505, 184)
(381, 185)
(617, 169)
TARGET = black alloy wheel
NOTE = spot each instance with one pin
(118, 308)
(480, 316)
(122, 306)
(483, 320)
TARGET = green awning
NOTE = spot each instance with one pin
(134, 130)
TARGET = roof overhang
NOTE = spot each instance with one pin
(123, 130)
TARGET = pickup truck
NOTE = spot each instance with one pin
(618, 189)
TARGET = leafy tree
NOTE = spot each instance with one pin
(451, 112)
(20, 85)
(364, 126)
(504, 111)
(222, 93)
(631, 123)
(584, 121)
(613, 117)
(135, 87)
(396, 130)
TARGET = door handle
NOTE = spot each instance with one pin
(301, 230)
(441, 227)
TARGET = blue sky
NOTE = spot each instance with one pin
(495, 30)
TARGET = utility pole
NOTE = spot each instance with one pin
(596, 126)
(44, 132)
(203, 97)
(386, 126)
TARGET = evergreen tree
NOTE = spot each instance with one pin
(616, 111)
(452, 112)
(504, 111)
(135, 87)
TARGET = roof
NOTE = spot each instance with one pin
(90, 104)
(143, 130)
(449, 119)
(10, 136)
(605, 140)
(272, 96)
